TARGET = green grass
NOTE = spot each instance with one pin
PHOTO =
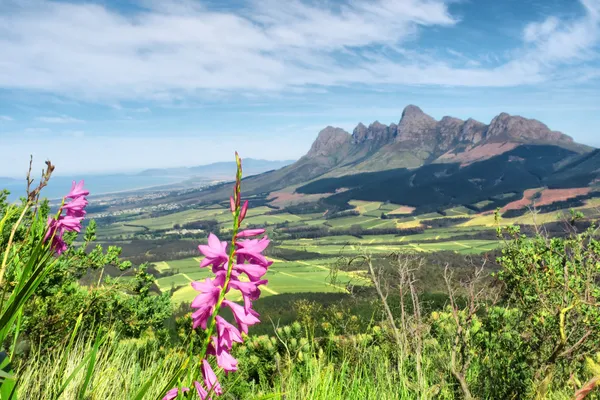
(121, 369)
(284, 277)
(182, 217)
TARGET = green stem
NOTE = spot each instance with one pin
(236, 227)
(10, 240)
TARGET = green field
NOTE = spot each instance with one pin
(314, 275)
(283, 277)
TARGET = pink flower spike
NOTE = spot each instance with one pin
(244, 211)
(227, 333)
(250, 233)
(173, 393)
(77, 190)
(214, 253)
(210, 379)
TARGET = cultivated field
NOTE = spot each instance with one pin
(311, 269)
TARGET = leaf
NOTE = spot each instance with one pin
(91, 366)
(9, 382)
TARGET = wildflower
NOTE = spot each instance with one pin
(244, 318)
(246, 258)
(205, 302)
(248, 289)
(227, 333)
(173, 393)
(253, 271)
(210, 379)
(53, 231)
(252, 250)
(215, 252)
(201, 391)
(77, 191)
(71, 222)
(224, 359)
(76, 207)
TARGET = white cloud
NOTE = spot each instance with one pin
(5, 118)
(177, 49)
(63, 119)
(555, 41)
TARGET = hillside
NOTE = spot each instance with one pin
(495, 182)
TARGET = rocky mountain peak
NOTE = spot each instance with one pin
(411, 110)
(376, 132)
(506, 127)
(328, 142)
(415, 125)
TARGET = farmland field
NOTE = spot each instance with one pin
(310, 267)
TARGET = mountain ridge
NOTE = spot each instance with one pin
(415, 141)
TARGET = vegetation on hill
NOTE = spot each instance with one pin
(521, 322)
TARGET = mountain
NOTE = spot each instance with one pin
(219, 170)
(419, 139)
(518, 149)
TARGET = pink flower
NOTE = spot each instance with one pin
(55, 232)
(69, 224)
(243, 318)
(210, 379)
(248, 289)
(173, 393)
(76, 207)
(250, 233)
(231, 204)
(224, 359)
(215, 252)
(252, 250)
(58, 245)
(227, 333)
(77, 190)
(253, 271)
(207, 299)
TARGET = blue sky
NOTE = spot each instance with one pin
(119, 86)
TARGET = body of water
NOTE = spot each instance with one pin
(59, 186)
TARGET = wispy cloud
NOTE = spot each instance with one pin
(175, 49)
(63, 119)
(5, 118)
(555, 41)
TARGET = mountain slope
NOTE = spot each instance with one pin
(497, 181)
